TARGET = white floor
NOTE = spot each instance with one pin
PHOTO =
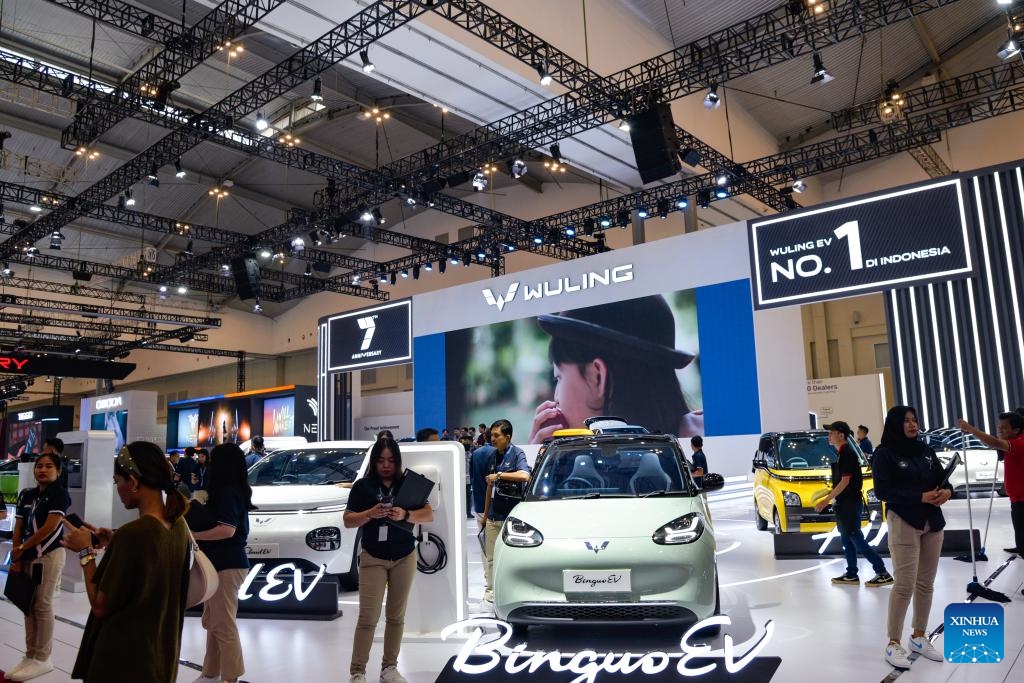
(821, 631)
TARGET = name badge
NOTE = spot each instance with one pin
(382, 533)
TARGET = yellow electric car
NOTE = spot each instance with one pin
(792, 472)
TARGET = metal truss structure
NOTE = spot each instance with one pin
(75, 290)
(128, 18)
(158, 77)
(108, 312)
(104, 328)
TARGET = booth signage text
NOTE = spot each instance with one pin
(9, 363)
(277, 588)
(370, 337)
(107, 403)
(896, 239)
(66, 367)
(562, 285)
(479, 656)
(26, 416)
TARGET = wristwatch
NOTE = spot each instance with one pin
(86, 555)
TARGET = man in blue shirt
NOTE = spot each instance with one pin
(700, 461)
(863, 441)
(498, 462)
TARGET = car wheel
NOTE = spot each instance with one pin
(777, 521)
(760, 522)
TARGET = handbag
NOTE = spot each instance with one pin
(203, 580)
(20, 590)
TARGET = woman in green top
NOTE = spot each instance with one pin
(138, 591)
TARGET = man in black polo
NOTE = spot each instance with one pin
(499, 462)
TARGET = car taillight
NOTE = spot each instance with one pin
(324, 538)
(685, 529)
(518, 534)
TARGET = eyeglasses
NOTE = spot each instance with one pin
(124, 461)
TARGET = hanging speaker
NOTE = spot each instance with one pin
(246, 271)
(653, 134)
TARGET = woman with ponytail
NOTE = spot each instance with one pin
(138, 591)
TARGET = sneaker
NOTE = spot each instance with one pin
(846, 580)
(357, 678)
(33, 669)
(923, 647)
(897, 656)
(207, 679)
(14, 669)
(391, 675)
(882, 579)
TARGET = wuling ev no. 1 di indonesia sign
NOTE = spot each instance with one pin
(873, 243)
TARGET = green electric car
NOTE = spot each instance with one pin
(611, 530)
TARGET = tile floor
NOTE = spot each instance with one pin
(822, 632)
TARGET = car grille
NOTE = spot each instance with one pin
(599, 612)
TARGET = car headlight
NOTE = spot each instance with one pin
(324, 538)
(871, 497)
(790, 499)
(518, 534)
(685, 529)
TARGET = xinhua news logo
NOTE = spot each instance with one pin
(973, 633)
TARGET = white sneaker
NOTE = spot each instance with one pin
(391, 675)
(207, 679)
(357, 678)
(923, 647)
(14, 669)
(33, 669)
(897, 656)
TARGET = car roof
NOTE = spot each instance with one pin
(624, 439)
(795, 432)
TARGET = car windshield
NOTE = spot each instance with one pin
(610, 469)
(307, 466)
(952, 440)
(811, 452)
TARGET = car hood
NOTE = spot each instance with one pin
(297, 497)
(604, 517)
(809, 475)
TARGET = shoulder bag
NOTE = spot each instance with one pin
(203, 580)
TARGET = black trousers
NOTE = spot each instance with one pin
(1017, 517)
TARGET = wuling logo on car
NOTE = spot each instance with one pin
(596, 546)
(262, 521)
(370, 325)
(562, 285)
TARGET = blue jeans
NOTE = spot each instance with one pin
(853, 540)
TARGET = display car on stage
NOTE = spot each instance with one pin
(300, 504)
(792, 471)
(980, 461)
(611, 530)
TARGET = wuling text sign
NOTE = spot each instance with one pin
(874, 243)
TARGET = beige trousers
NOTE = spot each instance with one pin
(39, 623)
(223, 647)
(491, 532)
(375, 577)
(915, 560)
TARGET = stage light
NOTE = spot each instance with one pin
(315, 238)
(416, 272)
(405, 273)
(7, 270)
(622, 218)
(624, 125)
(642, 212)
(364, 213)
(663, 207)
(309, 270)
(265, 253)
(721, 179)
(605, 221)
(543, 71)
(393, 278)
(428, 266)
(261, 122)
(588, 226)
(378, 216)
(441, 265)
(704, 198)
(516, 168)
(722, 192)
(799, 185)
(256, 307)
(182, 289)
(298, 244)
(821, 75)
(383, 277)
(682, 203)
(538, 238)
(712, 100)
(179, 172)
(188, 248)
(318, 90)
(479, 181)
(56, 240)
(1010, 49)
(364, 56)
(162, 288)
(129, 200)
(35, 208)
(570, 231)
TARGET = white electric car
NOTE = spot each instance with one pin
(612, 530)
(980, 461)
(299, 507)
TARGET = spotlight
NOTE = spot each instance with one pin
(441, 265)
(428, 266)
(383, 277)
(1010, 49)
(35, 208)
(31, 250)
(682, 203)
(405, 272)
(152, 175)
(256, 307)
(416, 272)
(722, 192)
(704, 198)
(542, 71)
(622, 218)
(556, 152)
(154, 182)
(129, 200)
(799, 185)
(516, 168)
(318, 90)
(378, 216)
(188, 248)
(588, 226)
(394, 277)
(179, 172)
(821, 75)
(479, 181)
(663, 207)
(642, 212)
(162, 288)
(265, 253)
(538, 238)
(56, 240)
(624, 125)
(67, 87)
(182, 289)
(480, 253)
(722, 179)
(712, 100)
(298, 244)
(364, 213)
(570, 231)
(364, 56)
(225, 269)
(466, 258)
(605, 221)
(315, 238)
(454, 259)
(7, 271)
(309, 270)
(410, 201)
(261, 122)
(355, 279)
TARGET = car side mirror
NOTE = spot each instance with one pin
(712, 482)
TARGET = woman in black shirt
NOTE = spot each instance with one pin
(907, 476)
(387, 561)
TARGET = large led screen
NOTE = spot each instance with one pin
(224, 422)
(279, 416)
(24, 438)
(637, 359)
(115, 421)
(188, 427)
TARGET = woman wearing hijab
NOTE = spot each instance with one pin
(616, 359)
(907, 476)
